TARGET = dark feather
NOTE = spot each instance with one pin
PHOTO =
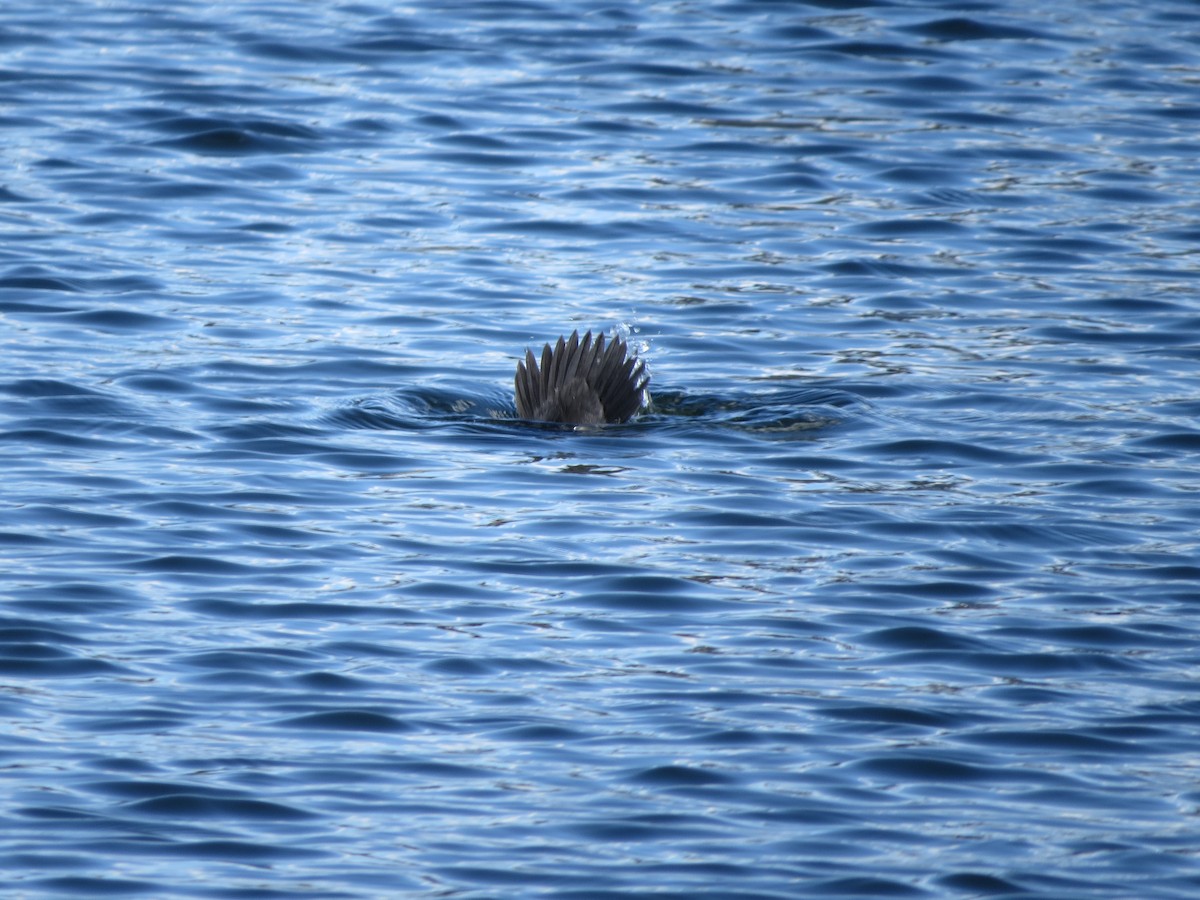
(581, 382)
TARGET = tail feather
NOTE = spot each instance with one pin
(588, 381)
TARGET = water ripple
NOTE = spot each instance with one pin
(889, 591)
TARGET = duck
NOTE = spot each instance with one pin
(581, 381)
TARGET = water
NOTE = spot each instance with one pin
(894, 591)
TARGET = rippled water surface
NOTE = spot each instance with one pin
(893, 591)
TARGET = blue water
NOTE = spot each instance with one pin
(893, 592)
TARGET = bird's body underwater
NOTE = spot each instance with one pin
(581, 382)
